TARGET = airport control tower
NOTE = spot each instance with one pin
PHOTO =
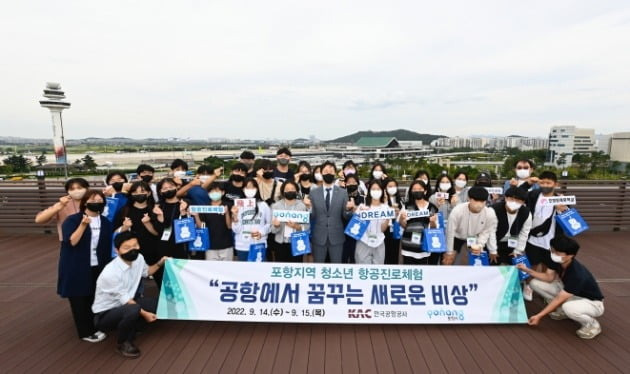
(54, 101)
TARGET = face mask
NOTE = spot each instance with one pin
(77, 194)
(318, 177)
(249, 164)
(328, 178)
(268, 174)
(250, 192)
(546, 190)
(117, 186)
(445, 186)
(140, 198)
(426, 181)
(284, 161)
(169, 194)
(305, 190)
(513, 205)
(352, 188)
(376, 194)
(237, 178)
(305, 177)
(522, 173)
(131, 256)
(417, 195)
(215, 196)
(460, 183)
(146, 178)
(557, 259)
(290, 195)
(391, 191)
(179, 174)
(203, 178)
(95, 207)
(377, 174)
(349, 171)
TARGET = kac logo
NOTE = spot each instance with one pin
(359, 313)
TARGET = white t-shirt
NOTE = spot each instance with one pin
(95, 228)
(539, 217)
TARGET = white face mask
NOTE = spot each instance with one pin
(250, 192)
(203, 178)
(376, 194)
(392, 191)
(377, 174)
(77, 194)
(179, 174)
(513, 205)
(445, 186)
(557, 259)
(318, 177)
(426, 181)
(522, 173)
(460, 183)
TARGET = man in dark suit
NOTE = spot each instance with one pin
(330, 209)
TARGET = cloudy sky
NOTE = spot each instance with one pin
(285, 69)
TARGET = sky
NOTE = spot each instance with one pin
(289, 69)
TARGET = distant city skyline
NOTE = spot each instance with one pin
(285, 69)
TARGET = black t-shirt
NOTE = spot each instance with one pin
(170, 248)
(280, 176)
(232, 192)
(220, 235)
(578, 280)
(148, 242)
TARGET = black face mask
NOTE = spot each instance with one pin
(305, 177)
(417, 195)
(237, 178)
(290, 195)
(146, 178)
(328, 178)
(305, 190)
(131, 256)
(352, 188)
(117, 186)
(141, 198)
(95, 207)
(546, 190)
(168, 194)
(268, 174)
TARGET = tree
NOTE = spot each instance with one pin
(213, 162)
(18, 163)
(89, 163)
(41, 159)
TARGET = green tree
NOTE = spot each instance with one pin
(18, 163)
(89, 163)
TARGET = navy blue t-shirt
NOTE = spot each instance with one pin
(198, 196)
(578, 280)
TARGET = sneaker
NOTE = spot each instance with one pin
(528, 293)
(558, 314)
(94, 338)
(589, 331)
(127, 349)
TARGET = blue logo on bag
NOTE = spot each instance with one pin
(300, 243)
(257, 252)
(184, 229)
(202, 240)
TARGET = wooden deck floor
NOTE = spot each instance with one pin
(37, 333)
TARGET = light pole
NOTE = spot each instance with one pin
(54, 101)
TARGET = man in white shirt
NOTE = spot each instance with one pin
(470, 224)
(115, 303)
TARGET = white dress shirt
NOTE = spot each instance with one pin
(118, 283)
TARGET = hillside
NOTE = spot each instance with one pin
(398, 134)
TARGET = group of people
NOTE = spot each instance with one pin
(132, 221)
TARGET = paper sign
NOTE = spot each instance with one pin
(418, 213)
(207, 209)
(245, 203)
(292, 216)
(441, 195)
(557, 200)
(495, 190)
(374, 214)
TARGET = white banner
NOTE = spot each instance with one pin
(558, 200)
(207, 209)
(335, 293)
(292, 216)
(374, 214)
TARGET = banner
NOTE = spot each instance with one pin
(336, 293)
(298, 216)
(207, 209)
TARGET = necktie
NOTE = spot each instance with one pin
(328, 198)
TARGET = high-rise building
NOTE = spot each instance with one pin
(620, 147)
(566, 141)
